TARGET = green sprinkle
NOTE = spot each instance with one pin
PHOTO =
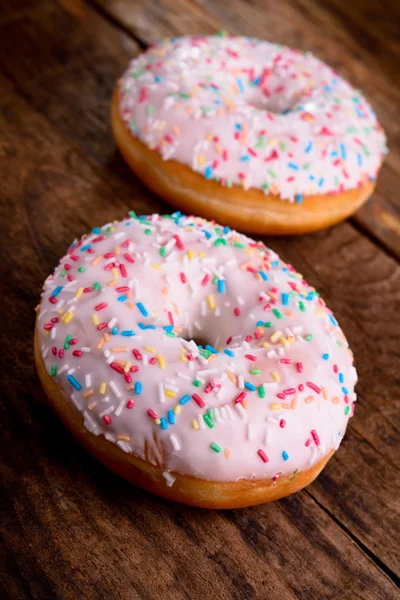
(184, 95)
(197, 383)
(150, 109)
(97, 286)
(204, 353)
(277, 313)
(132, 214)
(81, 269)
(163, 251)
(308, 337)
(211, 413)
(282, 145)
(170, 334)
(147, 231)
(67, 341)
(215, 447)
(63, 273)
(261, 391)
(265, 186)
(255, 371)
(301, 306)
(209, 422)
(220, 241)
(347, 410)
(267, 324)
(239, 245)
(53, 370)
(229, 183)
(272, 173)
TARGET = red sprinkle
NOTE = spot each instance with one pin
(335, 369)
(137, 354)
(60, 353)
(130, 403)
(54, 350)
(236, 311)
(101, 306)
(107, 420)
(128, 378)
(152, 414)
(285, 361)
(289, 391)
(281, 395)
(179, 242)
(77, 353)
(101, 326)
(263, 456)
(153, 360)
(183, 277)
(282, 423)
(251, 357)
(116, 367)
(206, 279)
(122, 288)
(301, 387)
(128, 257)
(299, 366)
(198, 400)
(308, 442)
(315, 437)
(314, 387)
(123, 270)
(52, 299)
(241, 397)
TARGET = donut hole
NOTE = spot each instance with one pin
(278, 104)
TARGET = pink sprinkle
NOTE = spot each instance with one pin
(248, 338)
(54, 350)
(152, 414)
(289, 391)
(123, 270)
(153, 361)
(198, 400)
(101, 306)
(179, 242)
(54, 320)
(241, 397)
(299, 366)
(251, 269)
(252, 152)
(225, 154)
(107, 420)
(101, 326)
(87, 290)
(134, 369)
(206, 279)
(128, 257)
(237, 312)
(170, 318)
(250, 357)
(281, 396)
(285, 361)
(125, 244)
(282, 423)
(137, 354)
(263, 456)
(48, 326)
(52, 299)
(314, 387)
(116, 367)
(73, 342)
(335, 369)
(183, 277)
(315, 437)
(308, 442)
(122, 288)
(142, 95)
(109, 254)
(130, 403)
(301, 387)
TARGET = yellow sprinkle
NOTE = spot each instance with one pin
(266, 345)
(177, 409)
(157, 421)
(275, 376)
(79, 292)
(170, 393)
(211, 301)
(127, 366)
(183, 358)
(119, 349)
(149, 348)
(157, 266)
(130, 305)
(275, 406)
(161, 361)
(103, 387)
(190, 254)
(284, 342)
(124, 438)
(195, 424)
(68, 317)
(200, 160)
(112, 283)
(176, 309)
(96, 261)
(275, 336)
(202, 254)
(95, 319)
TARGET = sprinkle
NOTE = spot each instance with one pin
(315, 437)
(215, 447)
(198, 400)
(142, 309)
(161, 362)
(314, 387)
(285, 455)
(263, 456)
(211, 302)
(74, 382)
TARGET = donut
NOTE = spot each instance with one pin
(193, 361)
(256, 135)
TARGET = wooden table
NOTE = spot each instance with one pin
(71, 529)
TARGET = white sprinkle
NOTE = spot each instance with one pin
(53, 333)
(64, 368)
(85, 349)
(241, 382)
(175, 442)
(230, 413)
(76, 402)
(200, 421)
(313, 456)
(271, 353)
(45, 352)
(110, 359)
(71, 371)
(169, 479)
(240, 300)
(108, 410)
(206, 372)
(88, 380)
(161, 396)
(241, 410)
(203, 308)
(115, 389)
(217, 415)
(124, 446)
(250, 431)
(145, 359)
(112, 322)
(90, 423)
(119, 408)
(106, 399)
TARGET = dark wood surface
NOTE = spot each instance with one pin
(69, 528)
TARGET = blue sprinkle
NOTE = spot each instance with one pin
(275, 263)
(310, 295)
(341, 377)
(228, 352)
(74, 382)
(293, 166)
(311, 177)
(221, 286)
(240, 85)
(157, 78)
(359, 159)
(264, 276)
(86, 247)
(285, 299)
(56, 291)
(260, 323)
(285, 455)
(345, 390)
(208, 172)
(184, 399)
(334, 153)
(142, 217)
(171, 417)
(128, 333)
(168, 328)
(238, 126)
(207, 234)
(333, 320)
(143, 326)
(321, 182)
(299, 198)
(250, 386)
(211, 349)
(163, 423)
(226, 229)
(138, 387)
(122, 298)
(142, 309)
(96, 230)
(245, 157)
(257, 81)
(114, 330)
(325, 356)
(308, 147)
(343, 151)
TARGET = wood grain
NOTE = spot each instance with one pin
(336, 32)
(69, 528)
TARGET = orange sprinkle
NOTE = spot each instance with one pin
(227, 453)
(88, 393)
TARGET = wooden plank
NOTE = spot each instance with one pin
(332, 34)
(70, 528)
(57, 170)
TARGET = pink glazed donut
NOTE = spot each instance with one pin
(255, 135)
(193, 361)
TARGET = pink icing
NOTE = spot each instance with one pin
(274, 393)
(246, 112)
